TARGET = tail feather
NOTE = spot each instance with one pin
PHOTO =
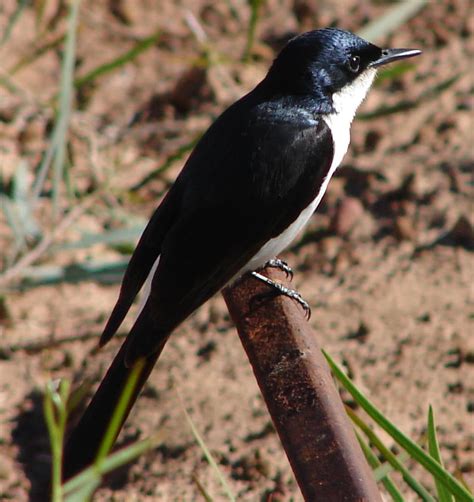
(84, 442)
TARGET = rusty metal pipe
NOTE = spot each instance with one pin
(300, 394)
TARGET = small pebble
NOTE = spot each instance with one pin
(404, 229)
(348, 214)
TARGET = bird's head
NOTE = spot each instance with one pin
(330, 64)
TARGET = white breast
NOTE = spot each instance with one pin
(276, 245)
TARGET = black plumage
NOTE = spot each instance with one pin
(260, 165)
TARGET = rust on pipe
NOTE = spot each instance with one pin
(300, 394)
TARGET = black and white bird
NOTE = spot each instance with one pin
(248, 188)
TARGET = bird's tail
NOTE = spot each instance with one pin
(84, 442)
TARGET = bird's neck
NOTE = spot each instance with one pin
(344, 104)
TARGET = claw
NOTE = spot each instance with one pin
(283, 290)
(291, 293)
(281, 265)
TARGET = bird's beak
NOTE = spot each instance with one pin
(390, 55)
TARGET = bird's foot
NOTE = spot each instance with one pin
(279, 289)
(280, 265)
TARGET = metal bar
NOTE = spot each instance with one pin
(300, 394)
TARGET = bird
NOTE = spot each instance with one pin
(248, 188)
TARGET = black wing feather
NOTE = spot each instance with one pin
(231, 205)
(146, 252)
(251, 175)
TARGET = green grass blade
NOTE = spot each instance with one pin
(393, 72)
(414, 450)
(126, 455)
(385, 468)
(55, 413)
(169, 161)
(82, 486)
(94, 473)
(209, 457)
(202, 490)
(404, 105)
(389, 22)
(119, 413)
(384, 110)
(254, 12)
(48, 410)
(374, 462)
(390, 457)
(436, 90)
(433, 448)
(11, 217)
(120, 236)
(85, 492)
(56, 152)
(45, 164)
(39, 7)
(22, 199)
(112, 65)
(21, 4)
(65, 103)
(36, 53)
(7, 83)
(17, 208)
(233, 11)
(44, 275)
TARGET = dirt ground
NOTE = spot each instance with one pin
(386, 263)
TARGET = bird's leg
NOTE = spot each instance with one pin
(280, 265)
(279, 289)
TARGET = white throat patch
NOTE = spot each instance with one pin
(346, 101)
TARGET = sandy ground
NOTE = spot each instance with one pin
(386, 263)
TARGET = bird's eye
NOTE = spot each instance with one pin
(354, 63)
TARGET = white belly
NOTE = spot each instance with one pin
(276, 245)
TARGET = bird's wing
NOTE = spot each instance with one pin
(232, 197)
(144, 256)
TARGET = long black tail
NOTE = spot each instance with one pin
(83, 444)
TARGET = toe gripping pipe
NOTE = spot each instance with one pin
(300, 394)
